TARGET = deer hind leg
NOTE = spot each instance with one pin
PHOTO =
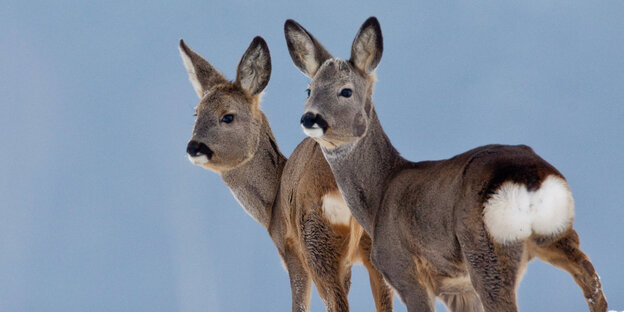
(464, 302)
(382, 293)
(300, 285)
(346, 279)
(323, 253)
(564, 253)
(494, 268)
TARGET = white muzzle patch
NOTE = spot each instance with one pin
(514, 213)
(198, 160)
(314, 132)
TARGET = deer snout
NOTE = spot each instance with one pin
(314, 125)
(197, 149)
(308, 119)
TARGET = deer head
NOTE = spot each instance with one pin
(227, 128)
(339, 104)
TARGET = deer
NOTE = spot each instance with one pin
(296, 200)
(461, 229)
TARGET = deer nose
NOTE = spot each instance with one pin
(196, 149)
(309, 120)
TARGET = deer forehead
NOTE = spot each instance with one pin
(334, 70)
(224, 100)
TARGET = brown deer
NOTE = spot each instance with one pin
(296, 200)
(462, 229)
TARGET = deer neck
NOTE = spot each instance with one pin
(256, 182)
(362, 169)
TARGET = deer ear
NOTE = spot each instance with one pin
(254, 68)
(201, 74)
(306, 52)
(367, 46)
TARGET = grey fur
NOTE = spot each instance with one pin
(425, 219)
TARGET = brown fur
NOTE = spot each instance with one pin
(285, 196)
(426, 218)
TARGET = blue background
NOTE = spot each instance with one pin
(101, 211)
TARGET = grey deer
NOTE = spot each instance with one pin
(462, 229)
(296, 200)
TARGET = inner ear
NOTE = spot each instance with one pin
(201, 74)
(367, 46)
(254, 68)
(306, 52)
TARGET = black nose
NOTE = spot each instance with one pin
(309, 119)
(195, 149)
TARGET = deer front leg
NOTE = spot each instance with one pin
(399, 269)
(565, 253)
(323, 254)
(382, 293)
(300, 285)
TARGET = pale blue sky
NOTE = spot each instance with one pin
(101, 211)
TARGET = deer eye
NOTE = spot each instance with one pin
(308, 92)
(227, 118)
(346, 92)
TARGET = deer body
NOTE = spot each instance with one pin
(462, 229)
(296, 200)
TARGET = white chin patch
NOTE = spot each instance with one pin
(314, 132)
(198, 160)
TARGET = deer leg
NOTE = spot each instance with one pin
(382, 293)
(564, 253)
(399, 269)
(494, 268)
(464, 302)
(300, 285)
(323, 253)
(346, 279)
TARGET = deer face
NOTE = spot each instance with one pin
(226, 131)
(335, 111)
(339, 105)
(227, 128)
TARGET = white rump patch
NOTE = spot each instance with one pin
(190, 69)
(314, 132)
(513, 213)
(335, 209)
(198, 160)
